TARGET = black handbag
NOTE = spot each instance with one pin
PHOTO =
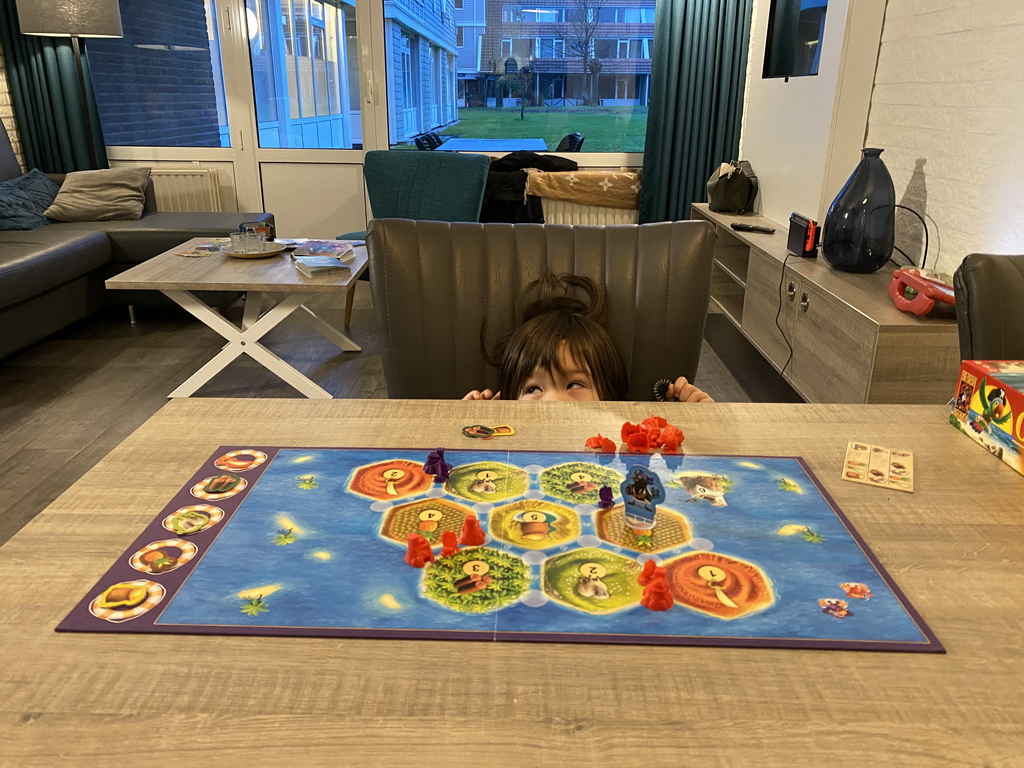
(732, 188)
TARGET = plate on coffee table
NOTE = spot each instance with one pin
(269, 249)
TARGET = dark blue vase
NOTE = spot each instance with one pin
(860, 224)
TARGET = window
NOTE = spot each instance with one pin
(519, 15)
(550, 48)
(303, 54)
(155, 89)
(458, 5)
(537, 72)
(627, 15)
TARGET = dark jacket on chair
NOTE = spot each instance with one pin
(505, 198)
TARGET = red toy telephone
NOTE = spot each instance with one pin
(932, 295)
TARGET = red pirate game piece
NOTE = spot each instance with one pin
(472, 534)
(647, 574)
(419, 552)
(449, 543)
(657, 596)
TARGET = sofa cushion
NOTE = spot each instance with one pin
(24, 199)
(154, 233)
(113, 194)
(37, 260)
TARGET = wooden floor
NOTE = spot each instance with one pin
(69, 400)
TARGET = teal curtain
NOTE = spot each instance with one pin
(698, 74)
(47, 100)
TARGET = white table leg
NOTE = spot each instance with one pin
(251, 313)
(328, 331)
(245, 341)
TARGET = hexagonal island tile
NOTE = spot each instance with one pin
(671, 529)
(487, 481)
(534, 524)
(428, 517)
(592, 580)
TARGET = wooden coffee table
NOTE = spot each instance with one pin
(274, 290)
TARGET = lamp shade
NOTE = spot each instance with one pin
(61, 18)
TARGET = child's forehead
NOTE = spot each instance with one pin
(566, 359)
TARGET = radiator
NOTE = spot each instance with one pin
(186, 189)
(561, 212)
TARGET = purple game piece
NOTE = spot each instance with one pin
(434, 458)
(443, 470)
(606, 497)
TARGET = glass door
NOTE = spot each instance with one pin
(305, 70)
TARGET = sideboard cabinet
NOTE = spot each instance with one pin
(835, 336)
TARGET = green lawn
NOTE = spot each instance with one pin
(606, 129)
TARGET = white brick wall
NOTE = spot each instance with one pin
(948, 108)
(7, 111)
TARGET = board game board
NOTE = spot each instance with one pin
(312, 542)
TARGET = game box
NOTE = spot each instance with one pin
(988, 407)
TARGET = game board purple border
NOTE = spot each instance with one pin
(79, 619)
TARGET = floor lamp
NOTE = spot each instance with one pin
(74, 19)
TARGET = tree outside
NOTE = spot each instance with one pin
(584, 25)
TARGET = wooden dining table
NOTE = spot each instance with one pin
(955, 546)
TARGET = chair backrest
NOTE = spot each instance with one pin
(433, 139)
(421, 142)
(439, 186)
(579, 144)
(434, 283)
(990, 307)
(570, 143)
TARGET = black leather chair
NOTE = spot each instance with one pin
(433, 139)
(572, 142)
(422, 142)
(990, 307)
(434, 282)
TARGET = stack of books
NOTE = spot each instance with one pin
(323, 258)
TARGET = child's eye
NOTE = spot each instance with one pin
(531, 389)
(577, 385)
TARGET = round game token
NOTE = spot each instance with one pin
(593, 570)
(154, 594)
(140, 562)
(189, 520)
(197, 490)
(476, 568)
(240, 461)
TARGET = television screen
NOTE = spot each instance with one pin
(795, 30)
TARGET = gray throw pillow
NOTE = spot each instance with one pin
(115, 194)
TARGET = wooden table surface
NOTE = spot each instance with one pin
(955, 547)
(220, 272)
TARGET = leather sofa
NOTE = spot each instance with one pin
(53, 276)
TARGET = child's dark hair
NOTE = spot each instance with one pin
(552, 315)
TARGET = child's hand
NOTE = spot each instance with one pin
(685, 392)
(476, 394)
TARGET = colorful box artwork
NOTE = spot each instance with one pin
(988, 407)
(674, 550)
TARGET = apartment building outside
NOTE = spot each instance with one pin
(581, 52)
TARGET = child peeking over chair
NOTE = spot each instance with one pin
(562, 351)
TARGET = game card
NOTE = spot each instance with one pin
(875, 465)
(856, 466)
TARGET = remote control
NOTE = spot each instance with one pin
(752, 228)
